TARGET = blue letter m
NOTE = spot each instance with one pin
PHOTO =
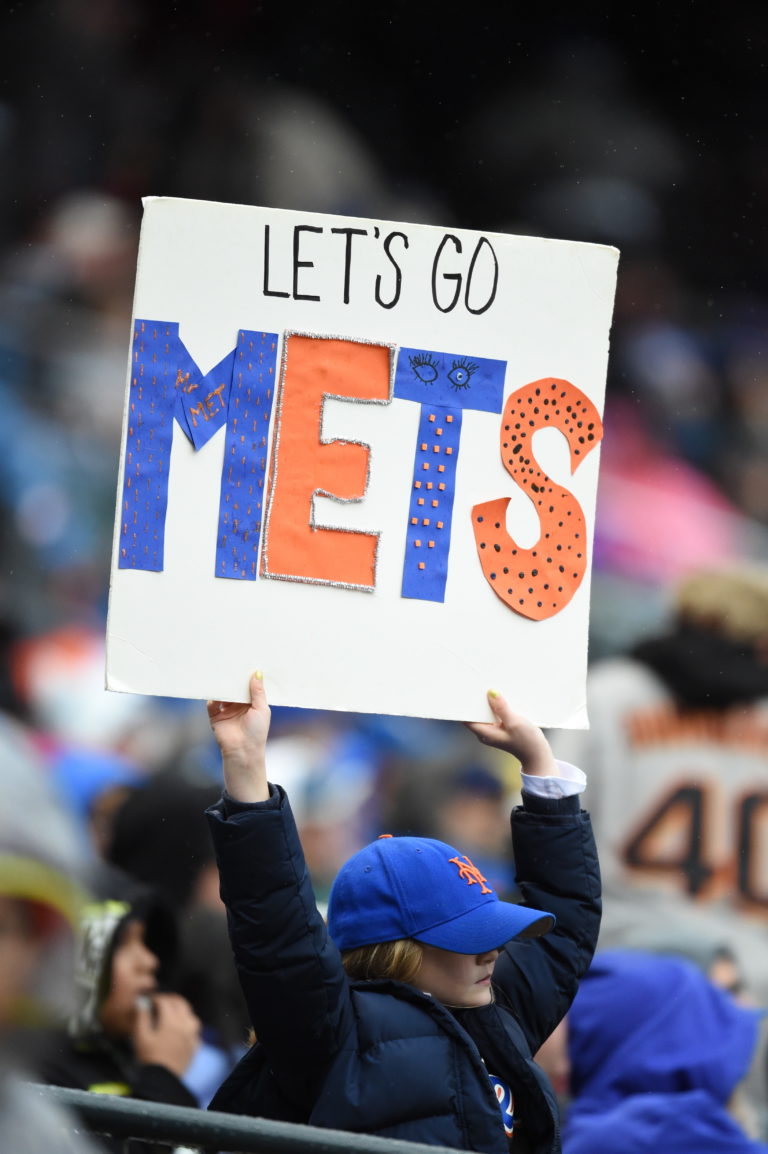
(166, 384)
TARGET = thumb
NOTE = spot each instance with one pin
(257, 691)
(499, 707)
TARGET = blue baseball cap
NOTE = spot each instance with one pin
(416, 887)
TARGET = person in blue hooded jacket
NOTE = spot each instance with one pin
(658, 1056)
(415, 1013)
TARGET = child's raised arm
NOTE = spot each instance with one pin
(241, 734)
(516, 735)
(292, 976)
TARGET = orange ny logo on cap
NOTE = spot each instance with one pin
(470, 874)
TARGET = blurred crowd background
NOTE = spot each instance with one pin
(643, 129)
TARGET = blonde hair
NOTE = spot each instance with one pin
(399, 961)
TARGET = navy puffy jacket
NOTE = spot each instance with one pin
(381, 1057)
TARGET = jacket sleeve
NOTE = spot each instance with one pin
(153, 1083)
(290, 971)
(557, 871)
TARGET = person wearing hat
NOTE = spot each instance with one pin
(127, 1034)
(415, 1013)
(677, 750)
(661, 1056)
(42, 889)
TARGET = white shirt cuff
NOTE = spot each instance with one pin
(569, 781)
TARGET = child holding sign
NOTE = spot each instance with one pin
(416, 1013)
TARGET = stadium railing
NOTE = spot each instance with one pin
(199, 1130)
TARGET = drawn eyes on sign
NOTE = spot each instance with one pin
(424, 367)
(460, 374)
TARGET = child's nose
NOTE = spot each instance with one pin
(149, 961)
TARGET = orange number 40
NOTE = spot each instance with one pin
(676, 839)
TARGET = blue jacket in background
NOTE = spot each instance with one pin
(656, 1052)
(381, 1057)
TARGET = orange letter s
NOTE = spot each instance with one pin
(539, 582)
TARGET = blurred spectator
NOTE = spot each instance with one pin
(712, 954)
(672, 370)
(41, 873)
(58, 677)
(658, 516)
(579, 150)
(40, 862)
(160, 838)
(660, 1059)
(677, 752)
(92, 784)
(127, 1035)
(743, 457)
(65, 307)
(471, 807)
(331, 765)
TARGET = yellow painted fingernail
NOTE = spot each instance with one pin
(258, 673)
(493, 693)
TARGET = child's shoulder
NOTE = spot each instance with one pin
(388, 1009)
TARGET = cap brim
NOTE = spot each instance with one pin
(487, 927)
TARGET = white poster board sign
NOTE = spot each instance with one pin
(362, 457)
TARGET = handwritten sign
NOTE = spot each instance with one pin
(360, 456)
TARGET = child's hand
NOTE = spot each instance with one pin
(516, 735)
(239, 726)
(167, 1033)
(241, 734)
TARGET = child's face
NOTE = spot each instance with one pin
(456, 979)
(19, 953)
(134, 972)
